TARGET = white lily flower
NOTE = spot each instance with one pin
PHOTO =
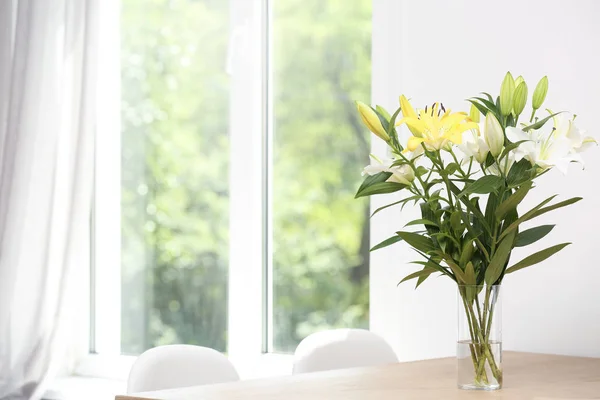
(565, 127)
(473, 145)
(541, 149)
(557, 148)
(489, 138)
(403, 174)
(505, 165)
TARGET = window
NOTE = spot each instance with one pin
(240, 153)
(175, 173)
(321, 63)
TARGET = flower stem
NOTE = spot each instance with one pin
(483, 334)
(473, 347)
(480, 325)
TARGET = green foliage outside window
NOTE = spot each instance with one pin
(175, 179)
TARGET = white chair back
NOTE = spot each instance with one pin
(342, 348)
(179, 365)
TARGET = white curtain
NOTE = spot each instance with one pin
(47, 119)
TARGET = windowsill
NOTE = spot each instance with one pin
(84, 387)
(102, 378)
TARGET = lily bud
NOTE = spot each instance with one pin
(403, 174)
(474, 114)
(539, 94)
(507, 91)
(520, 98)
(519, 80)
(371, 120)
(493, 134)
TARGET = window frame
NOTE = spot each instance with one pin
(249, 232)
(105, 265)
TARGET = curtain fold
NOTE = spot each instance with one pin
(47, 120)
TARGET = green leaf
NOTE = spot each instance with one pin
(537, 257)
(386, 206)
(470, 274)
(491, 207)
(494, 108)
(489, 160)
(417, 241)
(537, 211)
(544, 210)
(473, 209)
(433, 263)
(428, 214)
(384, 121)
(510, 120)
(532, 235)
(391, 129)
(541, 122)
(432, 183)
(444, 234)
(416, 198)
(463, 180)
(513, 201)
(421, 222)
(456, 222)
(396, 202)
(398, 163)
(423, 263)
(383, 112)
(387, 242)
(372, 179)
(467, 252)
(451, 168)
(380, 188)
(421, 279)
(495, 269)
(525, 217)
(421, 170)
(510, 147)
(425, 272)
(519, 172)
(489, 96)
(488, 103)
(393, 120)
(459, 274)
(510, 217)
(485, 184)
(482, 109)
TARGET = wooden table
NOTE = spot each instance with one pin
(526, 376)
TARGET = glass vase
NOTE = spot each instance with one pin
(479, 344)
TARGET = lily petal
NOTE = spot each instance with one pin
(407, 109)
(413, 143)
(416, 126)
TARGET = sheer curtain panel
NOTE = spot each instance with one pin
(47, 120)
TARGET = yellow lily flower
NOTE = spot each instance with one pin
(408, 112)
(434, 129)
(371, 120)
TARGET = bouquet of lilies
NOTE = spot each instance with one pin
(469, 173)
